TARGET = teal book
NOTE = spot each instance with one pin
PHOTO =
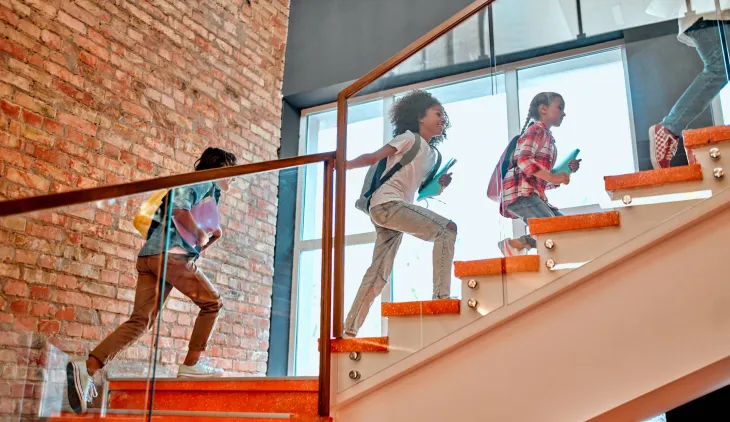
(564, 167)
(433, 188)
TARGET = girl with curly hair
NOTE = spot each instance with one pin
(418, 119)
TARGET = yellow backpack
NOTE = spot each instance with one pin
(143, 219)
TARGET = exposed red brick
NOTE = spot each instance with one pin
(16, 288)
(32, 118)
(77, 123)
(49, 327)
(10, 109)
(52, 127)
(66, 314)
(93, 92)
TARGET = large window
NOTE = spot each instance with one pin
(484, 111)
(597, 121)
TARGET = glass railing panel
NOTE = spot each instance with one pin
(407, 311)
(365, 134)
(195, 299)
(69, 277)
(613, 90)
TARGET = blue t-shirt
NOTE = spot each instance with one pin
(183, 199)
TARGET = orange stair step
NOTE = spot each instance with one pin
(424, 307)
(709, 135)
(513, 264)
(264, 395)
(192, 417)
(364, 344)
(72, 417)
(574, 222)
(641, 179)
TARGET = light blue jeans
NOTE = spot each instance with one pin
(697, 97)
(532, 206)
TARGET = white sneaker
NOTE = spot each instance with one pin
(80, 386)
(199, 370)
(507, 249)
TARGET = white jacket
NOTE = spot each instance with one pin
(688, 12)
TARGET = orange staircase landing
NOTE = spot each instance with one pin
(265, 395)
(202, 417)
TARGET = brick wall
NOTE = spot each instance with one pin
(97, 92)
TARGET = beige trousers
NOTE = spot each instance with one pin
(391, 220)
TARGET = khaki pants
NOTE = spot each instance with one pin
(391, 220)
(182, 274)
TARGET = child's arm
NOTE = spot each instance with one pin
(183, 200)
(214, 237)
(367, 160)
(527, 149)
(185, 218)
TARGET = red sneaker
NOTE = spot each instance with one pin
(662, 146)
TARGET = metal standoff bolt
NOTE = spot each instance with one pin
(472, 303)
(550, 244)
(627, 200)
(719, 173)
(354, 375)
(355, 356)
(472, 284)
(550, 264)
(715, 153)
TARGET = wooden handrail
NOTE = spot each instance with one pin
(340, 163)
(44, 202)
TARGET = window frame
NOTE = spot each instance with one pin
(387, 96)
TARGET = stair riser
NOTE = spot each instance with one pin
(583, 246)
(218, 401)
(702, 156)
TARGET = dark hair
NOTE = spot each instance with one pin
(543, 98)
(214, 158)
(407, 112)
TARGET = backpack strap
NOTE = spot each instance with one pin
(409, 156)
(540, 145)
(434, 169)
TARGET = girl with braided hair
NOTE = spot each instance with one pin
(529, 176)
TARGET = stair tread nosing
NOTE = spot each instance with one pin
(689, 173)
(424, 307)
(494, 266)
(709, 135)
(574, 222)
(360, 344)
(218, 384)
(167, 416)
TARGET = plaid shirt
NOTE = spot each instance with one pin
(520, 179)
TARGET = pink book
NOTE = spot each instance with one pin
(205, 214)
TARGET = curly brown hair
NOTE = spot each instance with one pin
(408, 111)
(214, 158)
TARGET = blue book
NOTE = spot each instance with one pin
(564, 167)
(434, 188)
